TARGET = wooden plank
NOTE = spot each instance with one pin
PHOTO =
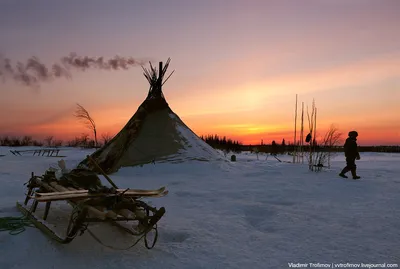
(110, 213)
(45, 185)
(58, 187)
(96, 213)
(142, 191)
(160, 194)
(65, 197)
(93, 211)
(129, 191)
(61, 192)
(126, 213)
(94, 195)
(71, 189)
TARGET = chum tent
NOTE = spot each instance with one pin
(153, 134)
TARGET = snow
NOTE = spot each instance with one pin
(220, 214)
(194, 148)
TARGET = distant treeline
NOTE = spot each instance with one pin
(217, 142)
(222, 143)
(280, 149)
(391, 149)
(50, 141)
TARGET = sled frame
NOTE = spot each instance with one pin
(89, 210)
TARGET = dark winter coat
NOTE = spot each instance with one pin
(350, 148)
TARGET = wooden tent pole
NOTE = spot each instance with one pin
(160, 67)
(101, 171)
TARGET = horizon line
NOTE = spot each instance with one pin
(63, 141)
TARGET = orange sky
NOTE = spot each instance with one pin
(238, 68)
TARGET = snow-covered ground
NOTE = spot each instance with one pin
(245, 214)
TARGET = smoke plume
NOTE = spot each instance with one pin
(33, 71)
(84, 63)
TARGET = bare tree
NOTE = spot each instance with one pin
(5, 141)
(82, 114)
(37, 143)
(49, 140)
(74, 142)
(106, 138)
(27, 140)
(58, 143)
(84, 140)
(331, 139)
(256, 150)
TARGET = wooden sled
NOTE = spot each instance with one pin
(49, 152)
(115, 206)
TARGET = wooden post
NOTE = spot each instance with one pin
(311, 126)
(30, 190)
(315, 135)
(302, 133)
(46, 211)
(315, 126)
(295, 131)
(34, 206)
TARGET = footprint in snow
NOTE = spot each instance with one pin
(260, 218)
(282, 203)
(188, 194)
(167, 236)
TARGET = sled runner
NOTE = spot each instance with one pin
(91, 202)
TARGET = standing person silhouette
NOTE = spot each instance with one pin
(352, 154)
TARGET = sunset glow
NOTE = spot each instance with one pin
(238, 66)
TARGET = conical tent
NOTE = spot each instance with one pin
(153, 134)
